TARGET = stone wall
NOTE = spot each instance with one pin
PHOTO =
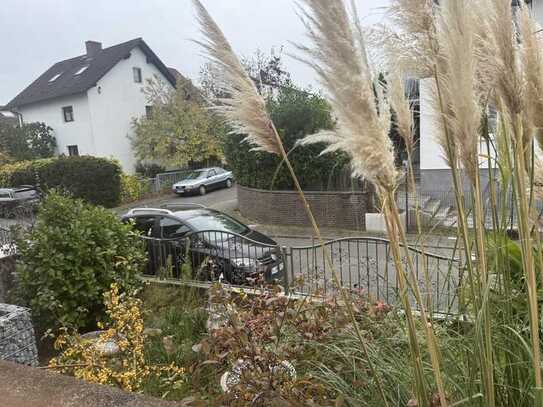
(17, 339)
(342, 210)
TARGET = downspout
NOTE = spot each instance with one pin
(90, 120)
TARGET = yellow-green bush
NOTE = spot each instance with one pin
(132, 189)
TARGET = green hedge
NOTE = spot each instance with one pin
(95, 180)
(296, 114)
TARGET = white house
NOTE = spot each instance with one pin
(435, 175)
(91, 100)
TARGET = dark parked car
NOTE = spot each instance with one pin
(25, 197)
(204, 180)
(214, 243)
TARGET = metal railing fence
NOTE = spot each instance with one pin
(363, 264)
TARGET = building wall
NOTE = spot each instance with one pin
(115, 102)
(431, 157)
(342, 210)
(103, 115)
(79, 132)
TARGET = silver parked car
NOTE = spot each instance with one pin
(203, 180)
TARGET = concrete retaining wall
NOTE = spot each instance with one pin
(26, 386)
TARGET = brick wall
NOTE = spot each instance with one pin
(342, 210)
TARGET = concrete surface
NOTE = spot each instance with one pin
(23, 386)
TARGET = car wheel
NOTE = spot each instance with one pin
(228, 183)
(202, 190)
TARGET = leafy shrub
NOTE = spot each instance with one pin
(129, 369)
(96, 180)
(71, 257)
(268, 329)
(132, 188)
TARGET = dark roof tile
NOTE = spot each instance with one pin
(70, 84)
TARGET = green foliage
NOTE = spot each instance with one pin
(96, 180)
(27, 142)
(149, 170)
(70, 259)
(178, 132)
(132, 189)
(296, 113)
(178, 312)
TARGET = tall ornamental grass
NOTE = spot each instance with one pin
(480, 56)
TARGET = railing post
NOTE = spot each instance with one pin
(286, 271)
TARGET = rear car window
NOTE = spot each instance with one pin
(171, 228)
(26, 193)
(144, 224)
(217, 221)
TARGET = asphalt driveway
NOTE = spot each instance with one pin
(225, 200)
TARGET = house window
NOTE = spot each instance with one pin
(81, 70)
(137, 74)
(73, 151)
(149, 112)
(68, 112)
(55, 77)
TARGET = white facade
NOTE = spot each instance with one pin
(431, 156)
(103, 115)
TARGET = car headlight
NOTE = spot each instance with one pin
(243, 262)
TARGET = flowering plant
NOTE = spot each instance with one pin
(127, 368)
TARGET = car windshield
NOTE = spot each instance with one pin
(195, 175)
(26, 193)
(218, 222)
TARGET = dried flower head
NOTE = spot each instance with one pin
(498, 52)
(413, 43)
(339, 58)
(244, 109)
(532, 64)
(401, 106)
(458, 79)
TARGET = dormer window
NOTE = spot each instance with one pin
(54, 78)
(137, 74)
(81, 70)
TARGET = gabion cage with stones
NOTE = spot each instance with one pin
(17, 340)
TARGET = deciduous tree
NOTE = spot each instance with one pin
(178, 130)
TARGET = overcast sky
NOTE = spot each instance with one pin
(38, 33)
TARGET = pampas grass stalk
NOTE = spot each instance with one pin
(245, 111)
(339, 58)
(457, 39)
(511, 73)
